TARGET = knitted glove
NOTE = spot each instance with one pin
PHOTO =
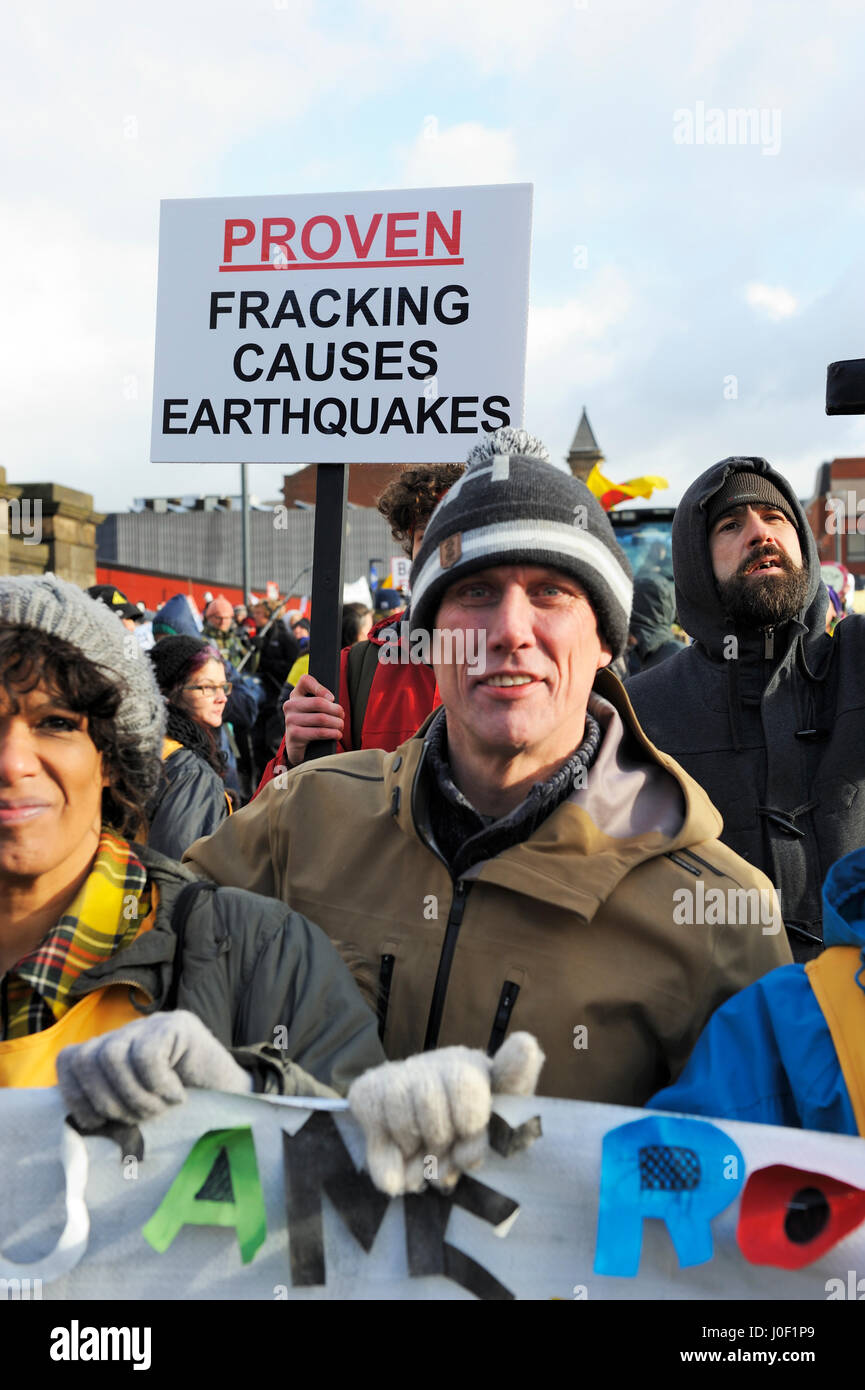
(436, 1106)
(137, 1071)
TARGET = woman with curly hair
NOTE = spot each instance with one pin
(122, 976)
(192, 800)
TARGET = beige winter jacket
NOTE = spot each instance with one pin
(574, 935)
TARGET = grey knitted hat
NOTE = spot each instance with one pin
(61, 609)
(743, 487)
(512, 506)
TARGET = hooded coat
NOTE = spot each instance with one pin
(652, 618)
(769, 722)
(571, 934)
(176, 617)
(767, 1055)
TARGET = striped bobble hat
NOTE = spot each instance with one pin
(513, 506)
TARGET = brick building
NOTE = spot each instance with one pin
(836, 514)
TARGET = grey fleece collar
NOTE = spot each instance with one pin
(465, 836)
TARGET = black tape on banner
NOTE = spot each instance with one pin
(466, 1272)
(483, 1201)
(316, 1159)
(426, 1219)
(303, 1212)
(507, 1141)
(128, 1138)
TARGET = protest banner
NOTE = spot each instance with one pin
(342, 327)
(242, 1198)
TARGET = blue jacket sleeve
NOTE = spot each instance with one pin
(766, 1055)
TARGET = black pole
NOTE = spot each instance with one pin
(244, 534)
(331, 496)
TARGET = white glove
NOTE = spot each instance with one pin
(426, 1118)
(137, 1071)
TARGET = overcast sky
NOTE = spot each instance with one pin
(689, 294)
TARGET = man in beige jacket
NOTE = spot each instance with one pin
(528, 860)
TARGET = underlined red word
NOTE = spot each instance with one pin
(388, 236)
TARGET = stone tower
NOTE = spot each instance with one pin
(584, 452)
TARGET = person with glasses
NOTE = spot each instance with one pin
(191, 675)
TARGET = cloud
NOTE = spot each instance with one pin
(575, 349)
(467, 153)
(772, 300)
(490, 34)
(577, 331)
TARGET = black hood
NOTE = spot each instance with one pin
(699, 607)
(653, 613)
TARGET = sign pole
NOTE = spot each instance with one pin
(331, 496)
(244, 534)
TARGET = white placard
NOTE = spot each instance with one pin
(340, 327)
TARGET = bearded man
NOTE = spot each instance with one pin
(765, 710)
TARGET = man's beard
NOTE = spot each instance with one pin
(767, 602)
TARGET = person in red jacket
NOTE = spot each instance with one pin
(393, 698)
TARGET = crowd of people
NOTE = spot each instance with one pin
(515, 871)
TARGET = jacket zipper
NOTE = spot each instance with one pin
(385, 977)
(116, 980)
(768, 644)
(455, 917)
(507, 999)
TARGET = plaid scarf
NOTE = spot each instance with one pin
(104, 916)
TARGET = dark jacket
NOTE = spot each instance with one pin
(277, 653)
(190, 802)
(652, 619)
(249, 966)
(774, 735)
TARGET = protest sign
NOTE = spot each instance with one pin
(241, 1198)
(334, 328)
(400, 568)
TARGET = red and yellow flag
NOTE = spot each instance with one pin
(609, 494)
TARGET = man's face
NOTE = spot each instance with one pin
(757, 562)
(221, 621)
(540, 636)
(51, 781)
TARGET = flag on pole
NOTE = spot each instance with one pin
(609, 494)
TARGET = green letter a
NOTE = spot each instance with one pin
(220, 1159)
